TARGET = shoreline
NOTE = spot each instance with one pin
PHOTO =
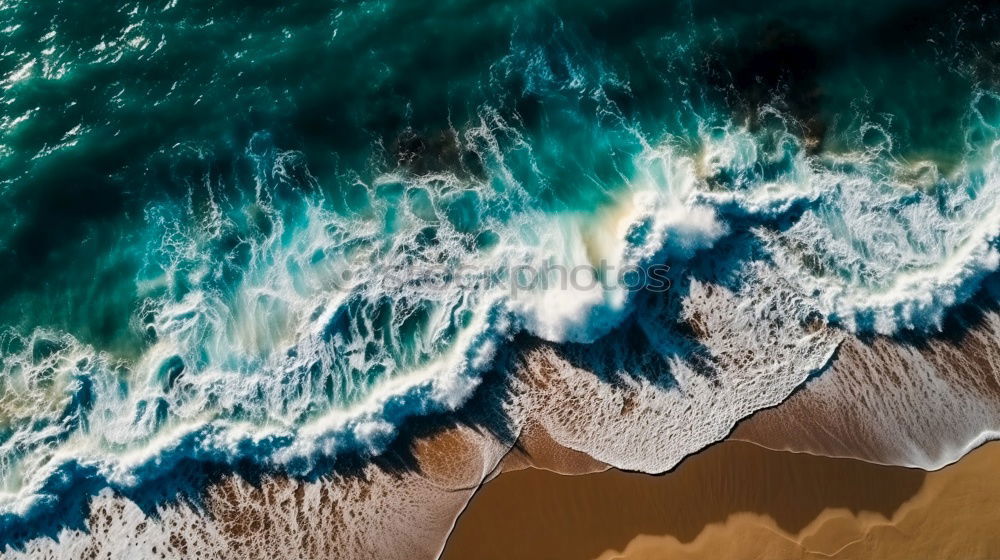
(736, 500)
(404, 503)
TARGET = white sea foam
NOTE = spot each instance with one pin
(917, 405)
(261, 345)
(648, 410)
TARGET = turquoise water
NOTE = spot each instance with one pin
(232, 227)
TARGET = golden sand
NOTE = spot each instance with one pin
(738, 500)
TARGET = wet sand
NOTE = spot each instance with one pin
(892, 403)
(739, 500)
(748, 497)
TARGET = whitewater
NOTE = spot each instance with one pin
(289, 361)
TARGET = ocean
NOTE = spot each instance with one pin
(263, 235)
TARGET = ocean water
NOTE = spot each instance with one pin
(269, 233)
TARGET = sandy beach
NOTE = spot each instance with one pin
(739, 500)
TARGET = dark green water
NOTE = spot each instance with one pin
(121, 104)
